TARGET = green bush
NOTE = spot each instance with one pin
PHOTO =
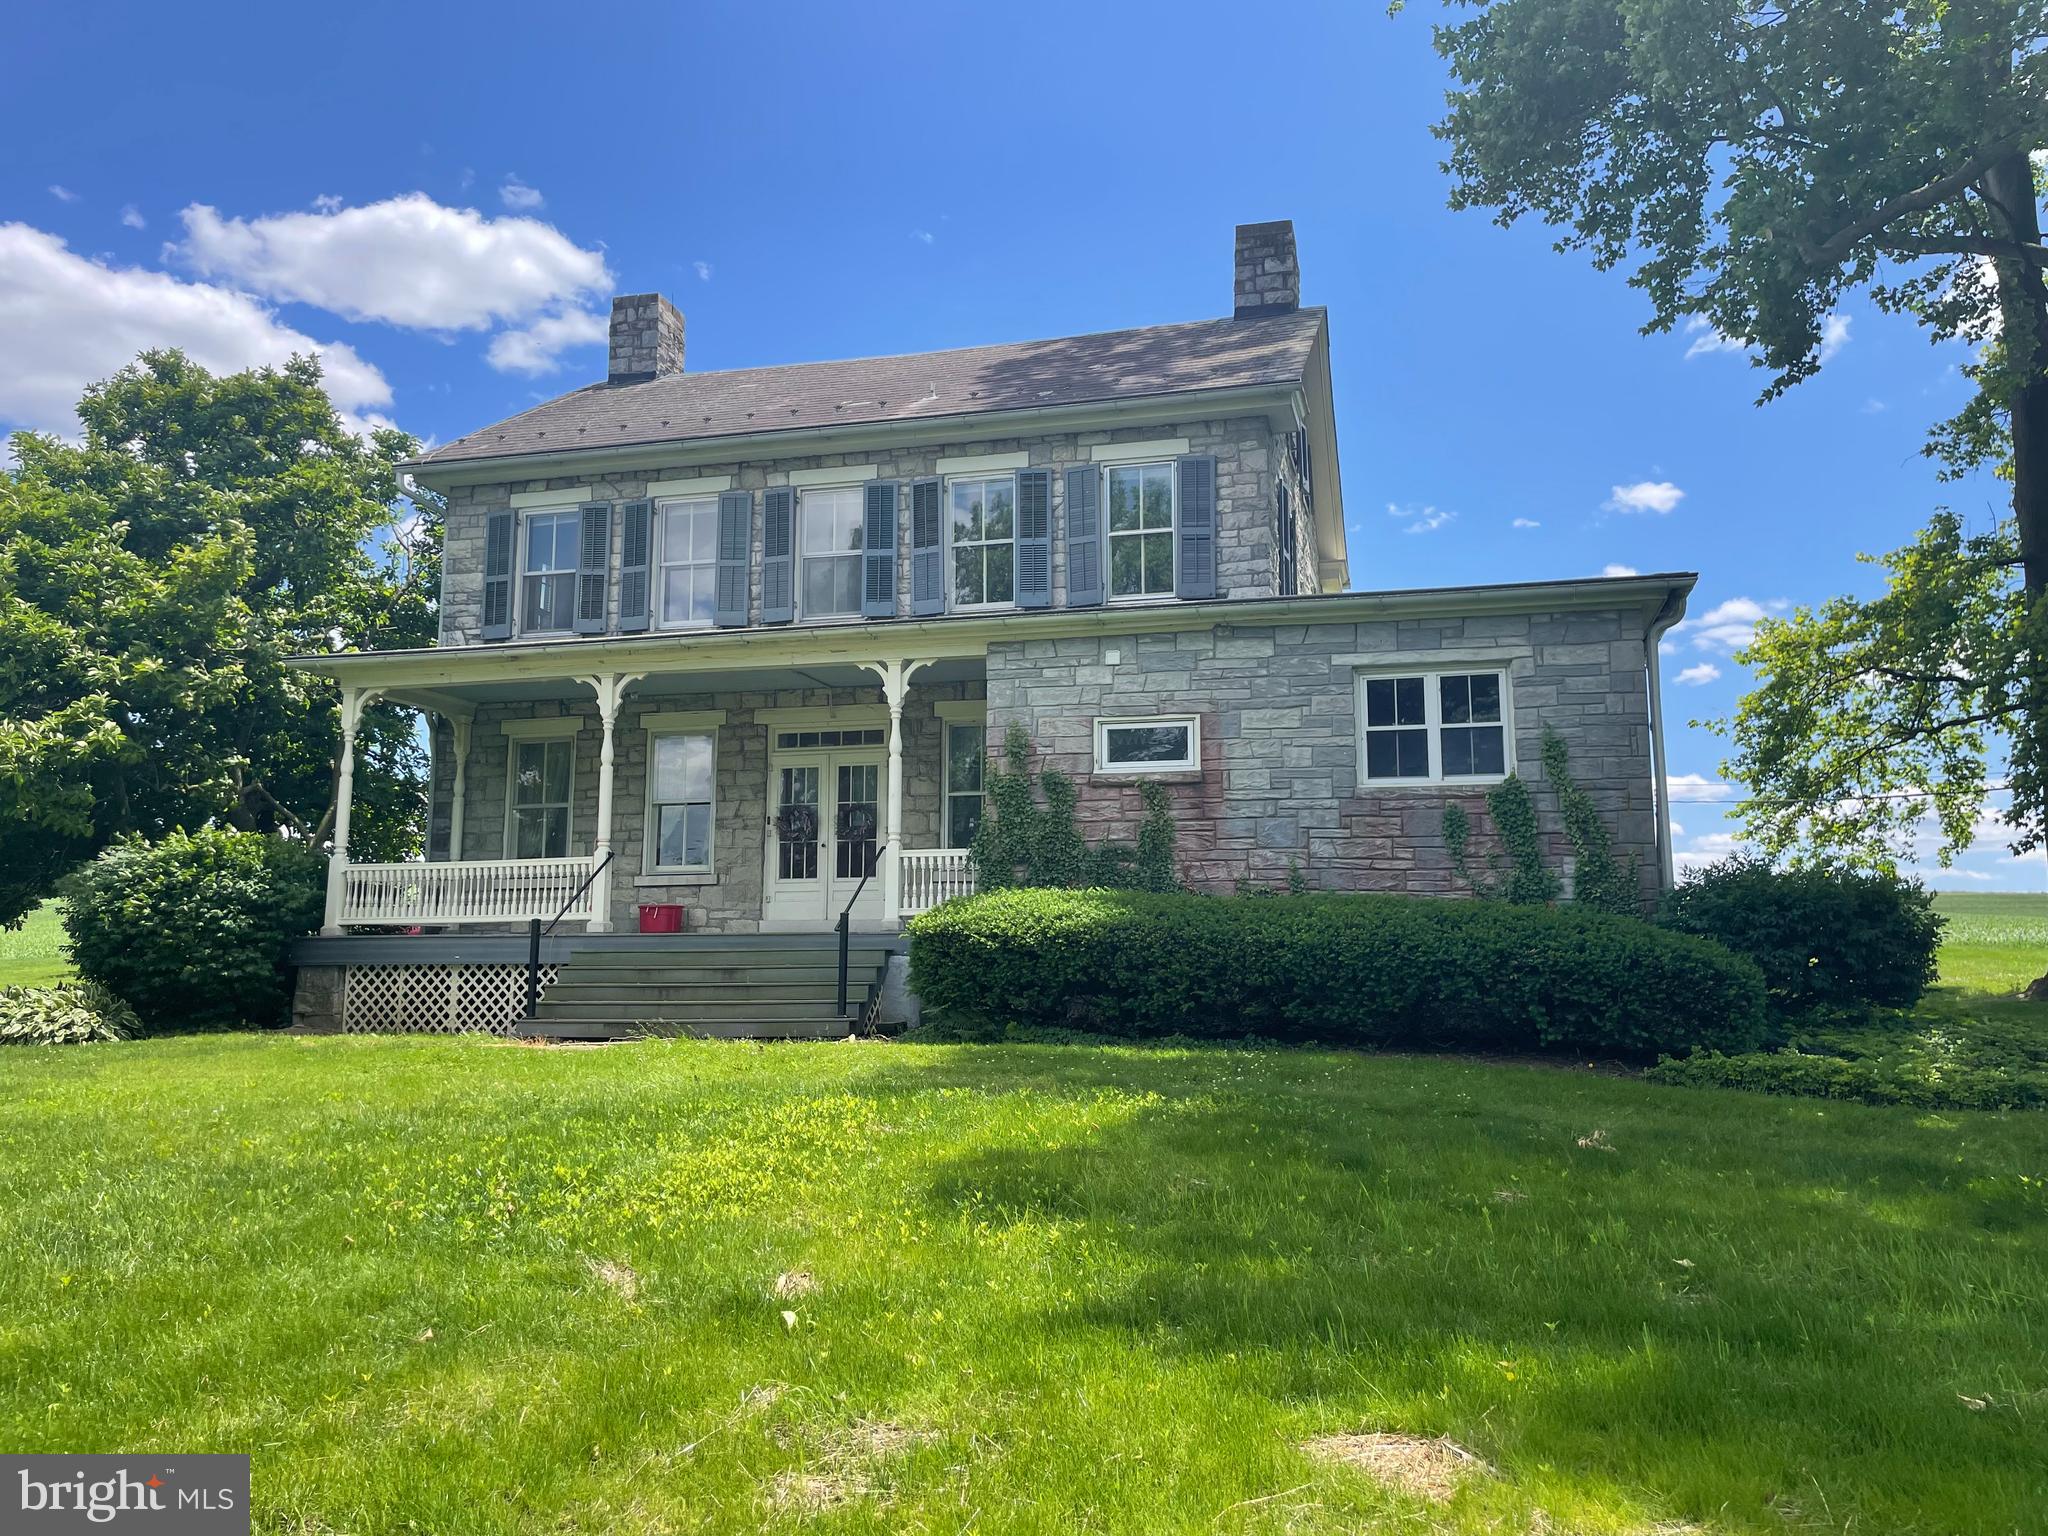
(70, 1013)
(1883, 1080)
(192, 932)
(1349, 970)
(1822, 937)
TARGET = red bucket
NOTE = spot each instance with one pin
(661, 917)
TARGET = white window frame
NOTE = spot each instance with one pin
(949, 723)
(1432, 720)
(796, 549)
(1109, 536)
(520, 733)
(1191, 763)
(659, 583)
(663, 730)
(953, 603)
(527, 519)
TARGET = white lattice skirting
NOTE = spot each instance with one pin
(444, 999)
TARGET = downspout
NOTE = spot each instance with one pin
(1668, 615)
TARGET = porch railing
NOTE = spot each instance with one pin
(932, 875)
(468, 891)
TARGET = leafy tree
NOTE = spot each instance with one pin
(1754, 162)
(153, 578)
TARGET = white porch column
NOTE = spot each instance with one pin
(895, 677)
(459, 725)
(353, 702)
(610, 689)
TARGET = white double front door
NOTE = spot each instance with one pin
(824, 837)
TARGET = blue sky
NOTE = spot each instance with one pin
(442, 197)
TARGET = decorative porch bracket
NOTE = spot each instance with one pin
(895, 676)
(353, 702)
(610, 688)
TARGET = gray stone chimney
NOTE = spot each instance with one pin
(1268, 273)
(647, 338)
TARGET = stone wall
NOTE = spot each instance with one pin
(1248, 455)
(1280, 780)
(729, 898)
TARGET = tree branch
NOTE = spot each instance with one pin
(1969, 245)
(1832, 251)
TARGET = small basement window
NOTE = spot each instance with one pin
(1163, 744)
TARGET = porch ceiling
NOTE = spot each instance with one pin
(677, 685)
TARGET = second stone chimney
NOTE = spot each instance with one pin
(1268, 272)
(647, 338)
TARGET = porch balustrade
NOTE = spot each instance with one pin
(932, 875)
(466, 891)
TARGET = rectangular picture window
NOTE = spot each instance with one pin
(1165, 745)
(542, 773)
(966, 749)
(1434, 727)
(1141, 510)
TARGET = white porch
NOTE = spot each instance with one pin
(812, 766)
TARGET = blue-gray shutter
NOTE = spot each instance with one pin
(927, 547)
(1196, 576)
(1084, 536)
(735, 544)
(593, 565)
(778, 555)
(636, 549)
(500, 533)
(878, 551)
(1034, 538)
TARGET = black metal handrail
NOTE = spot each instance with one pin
(534, 933)
(880, 849)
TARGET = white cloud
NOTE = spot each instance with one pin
(63, 194)
(327, 202)
(1525, 522)
(1705, 672)
(1697, 787)
(1834, 335)
(1420, 519)
(1727, 626)
(538, 347)
(66, 322)
(518, 196)
(1873, 406)
(703, 270)
(1658, 496)
(1706, 339)
(132, 217)
(924, 235)
(1619, 570)
(408, 260)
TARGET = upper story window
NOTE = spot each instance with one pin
(1141, 521)
(829, 544)
(547, 599)
(1435, 727)
(686, 548)
(983, 528)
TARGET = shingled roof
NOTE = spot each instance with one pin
(743, 402)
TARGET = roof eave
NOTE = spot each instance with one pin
(1271, 397)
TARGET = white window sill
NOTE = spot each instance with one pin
(1375, 784)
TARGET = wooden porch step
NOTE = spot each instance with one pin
(679, 987)
(694, 1029)
(765, 988)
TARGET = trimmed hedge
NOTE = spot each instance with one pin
(1349, 970)
(192, 932)
(1822, 937)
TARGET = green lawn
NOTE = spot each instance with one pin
(456, 1286)
(33, 954)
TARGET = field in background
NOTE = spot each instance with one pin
(1994, 942)
(33, 954)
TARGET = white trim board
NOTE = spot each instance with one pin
(843, 474)
(1130, 453)
(865, 716)
(961, 711)
(683, 720)
(546, 728)
(984, 463)
(570, 496)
